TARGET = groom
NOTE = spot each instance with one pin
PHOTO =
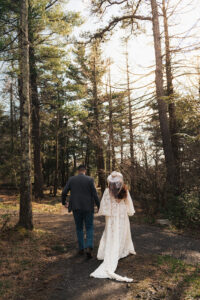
(82, 197)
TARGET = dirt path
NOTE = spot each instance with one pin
(67, 277)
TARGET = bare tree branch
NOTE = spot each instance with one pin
(51, 4)
(116, 20)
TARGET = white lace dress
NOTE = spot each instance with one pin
(116, 241)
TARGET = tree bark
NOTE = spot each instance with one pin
(121, 146)
(108, 162)
(108, 148)
(11, 118)
(57, 155)
(38, 177)
(62, 157)
(132, 165)
(162, 105)
(98, 140)
(87, 157)
(67, 153)
(111, 136)
(171, 106)
(25, 213)
(74, 161)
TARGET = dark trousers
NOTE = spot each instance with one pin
(84, 217)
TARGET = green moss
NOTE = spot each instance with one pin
(193, 281)
(4, 286)
(175, 265)
(188, 275)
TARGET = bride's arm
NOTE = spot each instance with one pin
(105, 204)
(129, 205)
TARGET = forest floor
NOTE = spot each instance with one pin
(43, 265)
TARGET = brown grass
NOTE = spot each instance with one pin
(23, 257)
(164, 277)
(24, 254)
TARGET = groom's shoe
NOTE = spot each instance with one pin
(81, 252)
(89, 253)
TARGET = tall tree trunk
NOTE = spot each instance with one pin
(111, 136)
(62, 149)
(56, 156)
(132, 175)
(67, 153)
(62, 162)
(98, 139)
(108, 162)
(172, 107)
(38, 177)
(162, 105)
(13, 132)
(74, 160)
(64, 142)
(198, 72)
(108, 148)
(199, 82)
(121, 146)
(11, 118)
(87, 157)
(25, 213)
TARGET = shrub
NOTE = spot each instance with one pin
(184, 211)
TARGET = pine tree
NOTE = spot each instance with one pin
(87, 74)
(42, 15)
(25, 215)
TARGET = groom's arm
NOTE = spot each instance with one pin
(94, 192)
(65, 192)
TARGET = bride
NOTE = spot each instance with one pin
(116, 205)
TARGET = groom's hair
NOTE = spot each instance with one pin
(81, 168)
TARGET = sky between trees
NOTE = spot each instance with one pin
(184, 25)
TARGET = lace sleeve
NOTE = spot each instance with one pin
(129, 205)
(105, 204)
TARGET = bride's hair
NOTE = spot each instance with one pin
(118, 190)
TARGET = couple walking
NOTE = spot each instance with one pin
(116, 205)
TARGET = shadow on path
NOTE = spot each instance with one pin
(67, 277)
